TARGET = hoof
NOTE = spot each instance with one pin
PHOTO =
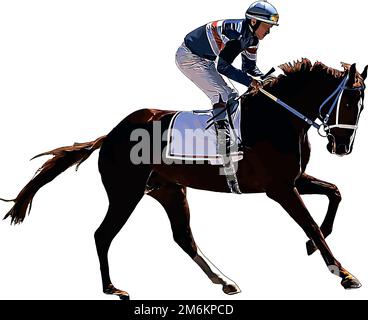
(231, 288)
(123, 295)
(311, 247)
(350, 282)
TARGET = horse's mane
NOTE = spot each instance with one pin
(305, 65)
(303, 68)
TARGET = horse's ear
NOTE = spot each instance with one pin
(346, 66)
(352, 73)
(364, 73)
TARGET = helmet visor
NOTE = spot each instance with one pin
(274, 18)
(270, 19)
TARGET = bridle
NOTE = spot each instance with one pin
(336, 104)
(337, 94)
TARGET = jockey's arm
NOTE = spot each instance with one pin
(249, 60)
(225, 59)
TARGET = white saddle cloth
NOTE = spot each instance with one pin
(188, 138)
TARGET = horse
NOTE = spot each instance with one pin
(276, 153)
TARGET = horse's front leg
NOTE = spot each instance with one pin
(309, 185)
(288, 197)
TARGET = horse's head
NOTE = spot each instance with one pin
(343, 122)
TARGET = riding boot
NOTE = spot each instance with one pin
(223, 137)
(222, 128)
(222, 124)
(224, 146)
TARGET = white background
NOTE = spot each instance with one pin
(71, 70)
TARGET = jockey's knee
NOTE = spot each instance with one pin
(233, 96)
(223, 97)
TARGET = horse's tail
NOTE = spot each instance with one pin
(62, 159)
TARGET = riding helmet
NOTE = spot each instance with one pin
(263, 11)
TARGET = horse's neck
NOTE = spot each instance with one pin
(307, 94)
(316, 92)
(264, 119)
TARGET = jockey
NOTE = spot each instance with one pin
(222, 41)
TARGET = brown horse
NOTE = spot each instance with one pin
(275, 158)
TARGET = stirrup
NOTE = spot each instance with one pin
(233, 185)
(231, 179)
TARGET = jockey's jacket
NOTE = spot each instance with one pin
(226, 39)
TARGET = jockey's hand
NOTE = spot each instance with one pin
(257, 83)
(269, 78)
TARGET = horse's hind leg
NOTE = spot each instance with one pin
(309, 185)
(125, 186)
(173, 198)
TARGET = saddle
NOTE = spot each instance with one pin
(191, 138)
